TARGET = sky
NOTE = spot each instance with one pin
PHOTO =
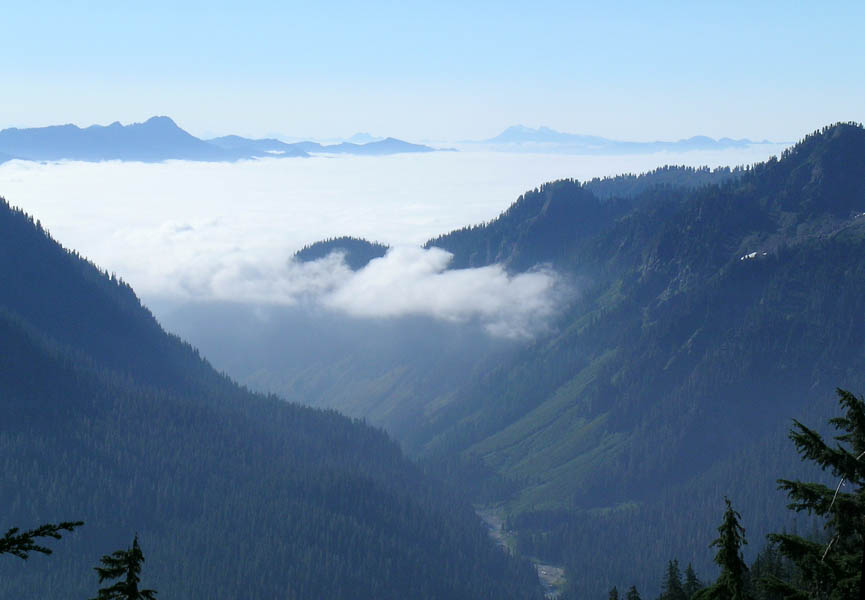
(437, 70)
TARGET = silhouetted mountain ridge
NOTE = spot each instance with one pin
(159, 139)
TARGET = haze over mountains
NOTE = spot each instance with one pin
(159, 139)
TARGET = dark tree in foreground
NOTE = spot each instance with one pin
(832, 570)
(633, 594)
(770, 564)
(731, 583)
(22, 543)
(614, 594)
(126, 564)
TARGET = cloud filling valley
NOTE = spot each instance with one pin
(189, 231)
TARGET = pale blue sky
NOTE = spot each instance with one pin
(438, 70)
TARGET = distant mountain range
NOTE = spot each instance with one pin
(519, 138)
(160, 138)
(271, 147)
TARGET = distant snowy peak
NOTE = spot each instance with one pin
(519, 138)
(363, 138)
(519, 134)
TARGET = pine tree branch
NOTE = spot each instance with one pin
(22, 544)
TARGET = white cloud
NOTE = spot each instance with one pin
(190, 231)
(414, 281)
(407, 281)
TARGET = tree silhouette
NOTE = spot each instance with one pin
(731, 583)
(671, 586)
(126, 564)
(23, 543)
(692, 583)
(834, 569)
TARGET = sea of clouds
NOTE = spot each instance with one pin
(189, 231)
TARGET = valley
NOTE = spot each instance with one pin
(698, 312)
(670, 381)
(552, 577)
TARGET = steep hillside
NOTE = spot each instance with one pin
(109, 420)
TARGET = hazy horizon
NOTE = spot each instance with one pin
(457, 141)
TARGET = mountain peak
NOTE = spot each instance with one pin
(161, 121)
(356, 252)
(819, 168)
(362, 137)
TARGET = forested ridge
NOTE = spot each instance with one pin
(356, 252)
(109, 420)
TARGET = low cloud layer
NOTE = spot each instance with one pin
(191, 232)
(414, 281)
(407, 281)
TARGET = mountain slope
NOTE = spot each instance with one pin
(108, 419)
(709, 319)
(713, 308)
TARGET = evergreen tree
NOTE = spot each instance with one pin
(731, 583)
(832, 570)
(692, 584)
(633, 594)
(23, 543)
(671, 587)
(614, 594)
(126, 564)
(769, 565)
